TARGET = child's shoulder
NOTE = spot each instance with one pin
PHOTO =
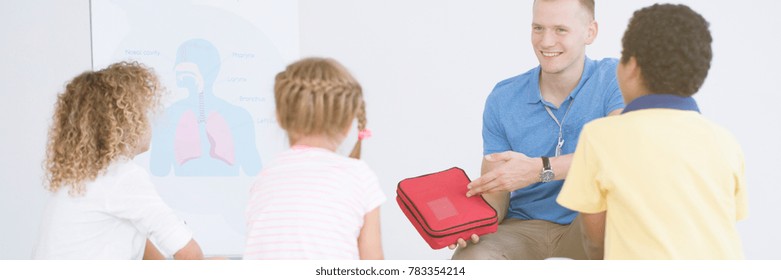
(348, 163)
(721, 133)
(605, 123)
(316, 161)
(125, 168)
(350, 166)
(317, 157)
(121, 176)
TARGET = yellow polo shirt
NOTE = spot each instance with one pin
(671, 181)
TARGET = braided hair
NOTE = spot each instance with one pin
(318, 96)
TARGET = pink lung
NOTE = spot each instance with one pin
(220, 138)
(187, 146)
(188, 143)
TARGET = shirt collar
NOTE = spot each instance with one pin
(662, 101)
(536, 96)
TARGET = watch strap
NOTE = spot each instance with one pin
(546, 163)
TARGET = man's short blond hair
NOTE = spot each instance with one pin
(588, 4)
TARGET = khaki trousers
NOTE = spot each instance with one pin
(527, 240)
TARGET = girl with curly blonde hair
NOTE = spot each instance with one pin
(310, 202)
(104, 206)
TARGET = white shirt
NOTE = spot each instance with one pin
(310, 203)
(112, 220)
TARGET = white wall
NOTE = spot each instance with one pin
(426, 67)
(44, 44)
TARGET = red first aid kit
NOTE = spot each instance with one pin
(437, 206)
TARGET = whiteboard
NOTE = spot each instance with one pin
(216, 127)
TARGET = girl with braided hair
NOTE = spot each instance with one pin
(103, 205)
(310, 202)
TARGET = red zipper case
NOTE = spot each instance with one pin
(437, 206)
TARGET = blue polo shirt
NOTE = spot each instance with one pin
(515, 119)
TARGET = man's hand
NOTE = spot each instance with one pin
(462, 243)
(514, 171)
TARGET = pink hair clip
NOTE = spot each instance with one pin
(363, 134)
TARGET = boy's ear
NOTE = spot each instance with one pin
(634, 71)
(635, 75)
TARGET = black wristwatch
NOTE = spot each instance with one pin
(547, 172)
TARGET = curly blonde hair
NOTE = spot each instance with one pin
(101, 116)
(318, 96)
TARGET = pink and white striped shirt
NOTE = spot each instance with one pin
(309, 203)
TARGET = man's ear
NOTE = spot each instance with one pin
(593, 31)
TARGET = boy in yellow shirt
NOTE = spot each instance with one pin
(659, 181)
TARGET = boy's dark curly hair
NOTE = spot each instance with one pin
(672, 45)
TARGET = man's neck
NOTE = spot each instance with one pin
(555, 88)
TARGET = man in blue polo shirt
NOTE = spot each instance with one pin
(531, 125)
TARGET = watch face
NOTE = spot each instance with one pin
(546, 176)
